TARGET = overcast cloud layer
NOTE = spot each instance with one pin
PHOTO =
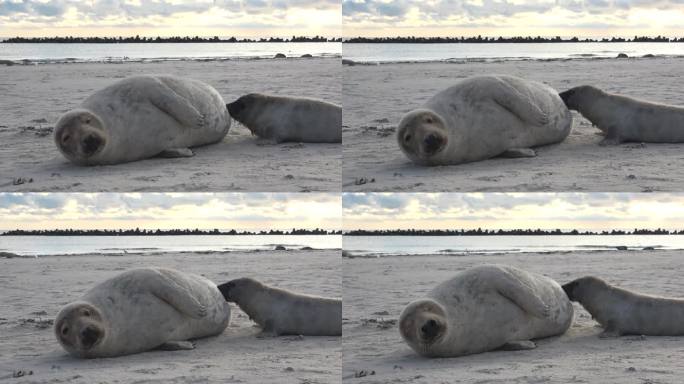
(595, 211)
(509, 18)
(242, 18)
(154, 210)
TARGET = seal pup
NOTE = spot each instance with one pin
(485, 308)
(139, 310)
(281, 312)
(482, 117)
(282, 119)
(624, 119)
(622, 312)
(140, 117)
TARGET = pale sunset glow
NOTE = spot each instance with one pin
(151, 18)
(223, 211)
(493, 18)
(565, 211)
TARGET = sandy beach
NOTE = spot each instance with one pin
(377, 289)
(34, 96)
(375, 97)
(34, 289)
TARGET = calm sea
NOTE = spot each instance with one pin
(71, 245)
(463, 245)
(162, 51)
(386, 53)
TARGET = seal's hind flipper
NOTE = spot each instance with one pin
(177, 346)
(515, 153)
(522, 345)
(173, 153)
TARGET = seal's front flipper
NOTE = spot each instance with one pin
(175, 105)
(173, 289)
(610, 140)
(515, 153)
(522, 345)
(177, 346)
(173, 153)
(519, 104)
(522, 295)
(610, 331)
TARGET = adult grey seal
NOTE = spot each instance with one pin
(485, 308)
(139, 310)
(140, 117)
(281, 312)
(622, 312)
(482, 117)
(625, 119)
(289, 118)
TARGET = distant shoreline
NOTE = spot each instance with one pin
(162, 40)
(500, 39)
(515, 232)
(180, 232)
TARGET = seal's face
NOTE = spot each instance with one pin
(422, 135)
(80, 136)
(573, 97)
(241, 108)
(234, 289)
(577, 289)
(423, 325)
(79, 328)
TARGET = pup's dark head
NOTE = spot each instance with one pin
(234, 289)
(584, 287)
(574, 97)
(240, 107)
(570, 288)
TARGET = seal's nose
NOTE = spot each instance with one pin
(91, 144)
(89, 336)
(429, 330)
(565, 96)
(225, 290)
(432, 143)
(235, 107)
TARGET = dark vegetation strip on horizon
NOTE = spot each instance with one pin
(159, 232)
(504, 232)
(500, 39)
(175, 39)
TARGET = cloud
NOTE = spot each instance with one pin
(419, 14)
(51, 8)
(510, 210)
(285, 210)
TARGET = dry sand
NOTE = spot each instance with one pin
(376, 97)
(378, 289)
(33, 98)
(33, 291)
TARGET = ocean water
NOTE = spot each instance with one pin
(464, 245)
(387, 53)
(112, 245)
(45, 53)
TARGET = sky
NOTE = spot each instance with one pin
(565, 18)
(240, 211)
(565, 211)
(224, 18)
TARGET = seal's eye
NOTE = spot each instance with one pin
(428, 120)
(407, 138)
(65, 331)
(87, 120)
(86, 313)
